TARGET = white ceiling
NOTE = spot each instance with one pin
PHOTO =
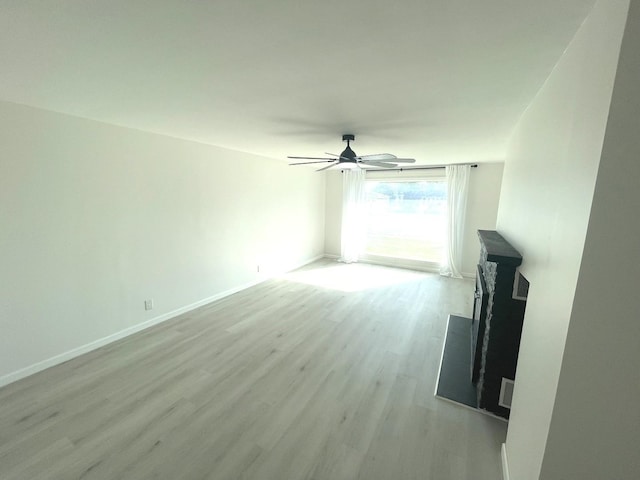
(443, 81)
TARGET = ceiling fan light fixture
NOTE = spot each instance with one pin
(348, 166)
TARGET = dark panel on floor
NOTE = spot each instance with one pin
(454, 382)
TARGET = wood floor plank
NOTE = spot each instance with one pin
(326, 373)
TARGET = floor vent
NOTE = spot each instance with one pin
(520, 287)
(506, 393)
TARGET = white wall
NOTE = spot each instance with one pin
(545, 204)
(97, 218)
(333, 213)
(595, 427)
(482, 210)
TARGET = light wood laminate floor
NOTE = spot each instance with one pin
(325, 373)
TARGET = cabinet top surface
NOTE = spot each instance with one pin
(498, 249)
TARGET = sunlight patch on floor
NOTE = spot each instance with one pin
(353, 277)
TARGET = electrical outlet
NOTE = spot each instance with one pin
(258, 268)
(148, 304)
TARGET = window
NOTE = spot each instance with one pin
(406, 219)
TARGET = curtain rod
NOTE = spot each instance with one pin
(425, 167)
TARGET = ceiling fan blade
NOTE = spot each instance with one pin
(332, 154)
(404, 160)
(378, 156)
(373, 163)
(307, 163)
(311, 158)
(328, 166)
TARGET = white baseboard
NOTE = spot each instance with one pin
(505, 463)
(421, 266)
(75, 352)
(401, 263)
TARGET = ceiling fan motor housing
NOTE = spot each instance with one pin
(348, 155)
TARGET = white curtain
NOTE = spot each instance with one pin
(353, 215)
(457, 188)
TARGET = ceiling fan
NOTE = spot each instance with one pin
(349, 159)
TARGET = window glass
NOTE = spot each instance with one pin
(406, 219)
